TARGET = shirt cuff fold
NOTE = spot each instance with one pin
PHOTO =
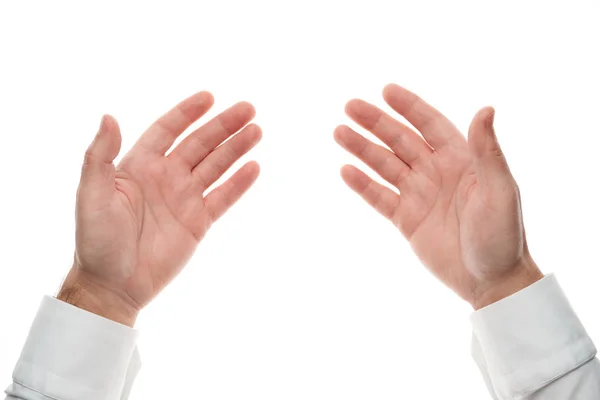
(530, 339)
(73, 354)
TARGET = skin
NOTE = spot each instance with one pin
(457, 202)
(139, 222)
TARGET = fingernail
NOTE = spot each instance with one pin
(490, 118)
(102, 124)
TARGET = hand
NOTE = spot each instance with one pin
(459, 206)
(139, 223)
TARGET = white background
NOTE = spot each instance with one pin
(301, 291)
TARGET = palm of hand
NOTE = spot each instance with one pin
(462, 220)
(139, 223)
(157, 197)
(462, 230)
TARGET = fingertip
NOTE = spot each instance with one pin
(253, 168)
(484, 112)
(352, 106)
(489, 119)
(387, 89)
(102, 126)
(347, 171)
(206, 97)
(108, 123)
(485, 117)
(255, 131)
(106, 143)
(339, 133)
(108, 137)
(198, 103)
(247, 109)
(392, 90)
(479, 130)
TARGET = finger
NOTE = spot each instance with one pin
(98, 169)
(163, 132)
(433, 125)
(490, 162)
(381, 198)
(203, 140)
(383, 161)
(223, 157)
(221, 198)
(405, 142)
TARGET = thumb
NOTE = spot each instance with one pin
(490, 162)
(98, 168)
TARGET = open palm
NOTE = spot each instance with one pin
(138, 223)
(458, 204)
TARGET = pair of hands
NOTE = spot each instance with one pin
(139, 222)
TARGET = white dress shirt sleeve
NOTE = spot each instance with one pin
(72, 354)
(531, 345)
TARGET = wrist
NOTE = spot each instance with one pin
(82, 292)
(522, 276)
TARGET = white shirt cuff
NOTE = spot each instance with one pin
(73, 354)
(530, 339)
